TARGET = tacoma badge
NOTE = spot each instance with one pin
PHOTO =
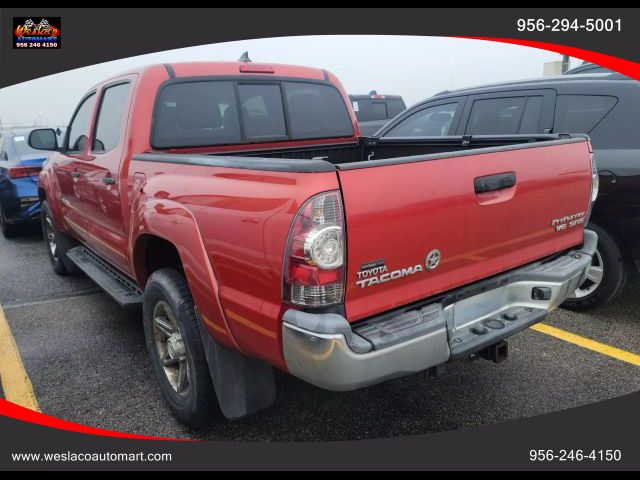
(382, 275)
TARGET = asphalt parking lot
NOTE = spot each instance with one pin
(87, 363)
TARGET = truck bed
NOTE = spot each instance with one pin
(426, 199)
(352, 155)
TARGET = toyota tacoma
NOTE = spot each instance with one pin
(237, 204)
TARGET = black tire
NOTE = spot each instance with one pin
(60, 263)
(8, 230)
(197, 405)
(614, 276)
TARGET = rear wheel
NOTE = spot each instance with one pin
(175, 348)
(606, 278)
(8, 230)
(57, 244)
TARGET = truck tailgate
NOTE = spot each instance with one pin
(399, 213)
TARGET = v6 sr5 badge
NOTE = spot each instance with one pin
(570, 221)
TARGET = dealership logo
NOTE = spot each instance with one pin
(37, 32)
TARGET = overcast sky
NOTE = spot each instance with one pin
(414, 67)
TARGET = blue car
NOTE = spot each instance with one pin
(19, 168)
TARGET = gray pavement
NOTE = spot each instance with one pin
(87, 362)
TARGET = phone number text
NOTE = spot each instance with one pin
(569, 24)
(575, 455)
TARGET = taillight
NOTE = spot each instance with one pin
(595, 179)
(595, 185)
(315, 257)
(19, 172)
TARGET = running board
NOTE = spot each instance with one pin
(119, 287)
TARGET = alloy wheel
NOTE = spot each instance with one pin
(170, 348)
(594, 278)
(50, 236)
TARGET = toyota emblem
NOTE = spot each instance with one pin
(433, 259)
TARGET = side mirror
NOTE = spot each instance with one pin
(43, 139)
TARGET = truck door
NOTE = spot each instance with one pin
(101, 177)
(69, 163)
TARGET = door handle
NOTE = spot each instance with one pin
(109, 180)
(75, 174)
(491, 183)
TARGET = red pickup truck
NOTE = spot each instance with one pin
(238, 205)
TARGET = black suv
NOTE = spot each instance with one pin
(605, 106)
(374, 110)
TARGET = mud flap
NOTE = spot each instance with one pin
(243, 385)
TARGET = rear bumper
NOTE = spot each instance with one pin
(23, 210)
(19, 200)
(326, 351)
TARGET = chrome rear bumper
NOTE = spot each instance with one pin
(326, 351)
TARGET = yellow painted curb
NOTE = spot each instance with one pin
(15, 382)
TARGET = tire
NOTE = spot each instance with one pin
(57, 244)
(610, 259)
(176, 339)
(8, 230)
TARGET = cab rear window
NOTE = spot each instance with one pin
(215, 112)
(316, 111)
(372, 109)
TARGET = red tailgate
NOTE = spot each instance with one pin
(397, 214)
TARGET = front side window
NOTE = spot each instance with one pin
(79, 128)
(433, 121)
(496, 116)
(111, 117)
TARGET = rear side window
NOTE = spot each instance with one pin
(110, 117)
(581, 113)
(316, 111)
(496, 116)
(262, 111)
(79, 128)
(433, 121)
(195, 114)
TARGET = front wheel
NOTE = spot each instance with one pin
(175, 348)
(57, 244)
(606, 277)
